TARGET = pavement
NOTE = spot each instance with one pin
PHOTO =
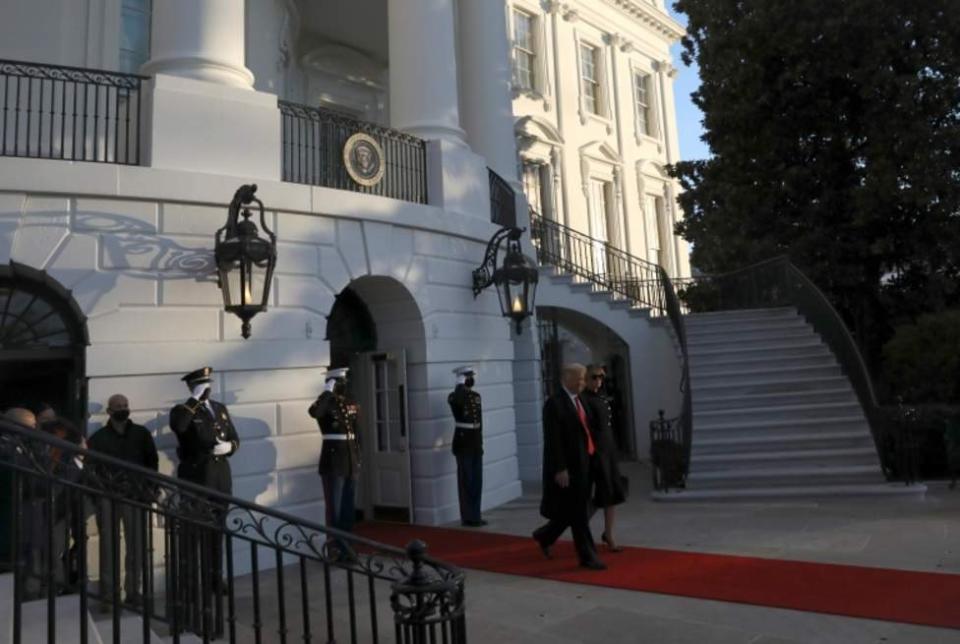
(907, 534)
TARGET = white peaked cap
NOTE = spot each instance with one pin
(336, 374)
(465, 371)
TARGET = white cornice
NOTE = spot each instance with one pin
(650, 16)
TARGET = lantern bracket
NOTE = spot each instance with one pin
(483, 275)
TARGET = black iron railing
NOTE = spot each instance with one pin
(70, 113)
(777, 282)
(199, 561)
(642, 283)
(313, 153)
(598, 262)
(503, 201)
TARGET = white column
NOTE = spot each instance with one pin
(485, 81)
(423, 69)
(199, 39)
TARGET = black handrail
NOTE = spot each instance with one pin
(69, 113)
(599, 262)
(181, 585)
(313, 141)
(778, 282)
(503, 201)
(643, 283)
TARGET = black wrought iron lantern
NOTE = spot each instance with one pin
(515, 279)
(245, 260)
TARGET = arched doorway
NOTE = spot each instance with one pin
(376, 329)
(43, 337)
(570, 336)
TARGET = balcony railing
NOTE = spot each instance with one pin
(195, 560)
(69, 113)
(313, 153)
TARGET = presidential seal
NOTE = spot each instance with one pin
(363, 157)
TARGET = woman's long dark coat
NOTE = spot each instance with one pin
(609, 489)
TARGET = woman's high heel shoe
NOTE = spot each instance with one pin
(611, 546)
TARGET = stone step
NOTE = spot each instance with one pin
(758, 401)
(755, 338)
(131, 631)
(769, 428)
(784, 412)
(812, 346)
(785, 441)
(718, 388)
(795, 492)
(66, 608)
(713, 327)
(750, 375)
(761, 360)
(786, 476)
(742, 314)
(743, 463)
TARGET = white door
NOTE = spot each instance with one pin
(598, 224)
(380, 383)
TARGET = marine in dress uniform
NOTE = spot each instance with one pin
(468, 445)
(206, 440)
(339, 466)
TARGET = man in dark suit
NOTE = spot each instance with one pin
(339, 466)
(568, 448)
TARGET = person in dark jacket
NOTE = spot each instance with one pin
(206, 440)
(608, 482)
(123, 439)
(339, 466)
(467, 412)
(568, 451)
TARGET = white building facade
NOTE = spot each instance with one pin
(596, 122)
(126, 126)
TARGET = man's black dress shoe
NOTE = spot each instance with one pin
(544, 548)
(473, 524)
(593, 564)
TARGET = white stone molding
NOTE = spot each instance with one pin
(655, 108)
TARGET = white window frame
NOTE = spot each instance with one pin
(540, 71)
(603, 102)
(654, 131)
(528, 49)
(587, 49)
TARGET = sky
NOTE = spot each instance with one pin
(689, 117)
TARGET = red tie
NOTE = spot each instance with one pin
(583, 422)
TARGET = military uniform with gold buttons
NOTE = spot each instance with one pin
(339, 466)
(465, 404)
(206, 438)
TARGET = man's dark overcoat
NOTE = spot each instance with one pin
(564, 448)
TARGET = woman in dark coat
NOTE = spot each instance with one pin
(609, 490)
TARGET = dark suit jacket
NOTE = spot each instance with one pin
(334, 416)
(564, 448)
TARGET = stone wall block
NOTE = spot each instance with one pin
(44, 225)
(113, 216)
(253, 421)
(277, 385)
(194, 219)
(298, 451)
(294, 418)
(299, 486)
(304, 292)
(306, 229)
(297, 259)
(156, 325)
(104, 291)
(75, 260)
(390, 249)
(333, 270)
(352, 247)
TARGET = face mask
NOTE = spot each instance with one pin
(469, 381)
(120, 415)
(339, 389)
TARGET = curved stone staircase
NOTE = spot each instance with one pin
(773, 414)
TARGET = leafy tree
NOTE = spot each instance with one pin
(835, 130)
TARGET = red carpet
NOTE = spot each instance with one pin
(929, 599)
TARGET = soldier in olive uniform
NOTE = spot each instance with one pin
(339, 467)
(468, 445)
(206, 440)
